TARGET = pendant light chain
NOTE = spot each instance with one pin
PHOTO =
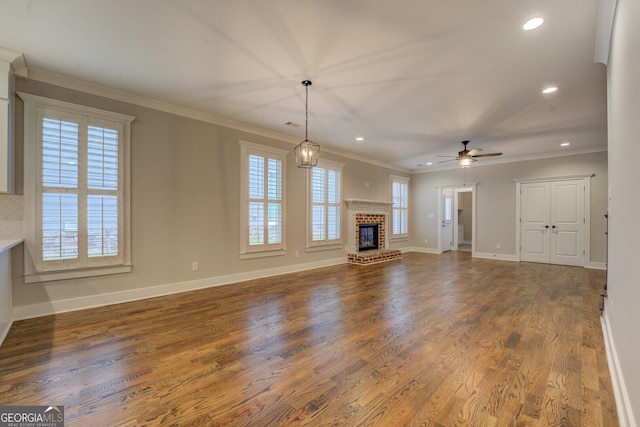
(306, 113)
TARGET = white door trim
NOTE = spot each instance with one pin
(587, 210)
(473, 189)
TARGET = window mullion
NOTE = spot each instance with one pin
(326, 203)
(83, 191)
(265, 201)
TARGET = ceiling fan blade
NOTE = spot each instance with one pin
(474, 151)
(488, 155)
(450, 160)
(446, 156)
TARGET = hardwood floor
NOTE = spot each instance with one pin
(434, 340)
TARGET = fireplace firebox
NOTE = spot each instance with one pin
(368, 237)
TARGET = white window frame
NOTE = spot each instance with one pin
(320, 245)
(257, 251)
(402, 181)
(37, 270)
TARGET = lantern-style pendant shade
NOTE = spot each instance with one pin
(307, 154)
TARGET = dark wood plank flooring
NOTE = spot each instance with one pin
(433, 340)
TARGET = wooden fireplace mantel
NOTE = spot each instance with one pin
(366, 206)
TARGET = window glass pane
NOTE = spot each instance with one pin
(102, 158)
(318, 229)
(404, 197)
(318, 185)
(102, 225)
(403, 221)
(59, 153)
(274, 229)
(275, 179)
(400, 199)
(256, 177)
(333, 223)
(396, 221)
(448, 209)
(256, 223)
(333, 186)
(59, 226)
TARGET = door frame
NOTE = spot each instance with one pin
(587, 209)
(454, 225)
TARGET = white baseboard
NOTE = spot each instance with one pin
(422, 250)
(489, 255)
(54, 307)
(623, 402)
(596, 265)
(4, 331)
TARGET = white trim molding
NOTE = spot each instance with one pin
(500, 257)
(623, 401)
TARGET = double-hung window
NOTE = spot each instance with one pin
(76, 186)
(399, 188)
(262, 211)
(325, 205)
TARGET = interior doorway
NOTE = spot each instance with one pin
(447, 220)
(456, 218)
(464, 215)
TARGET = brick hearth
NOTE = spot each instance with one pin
(372, 257)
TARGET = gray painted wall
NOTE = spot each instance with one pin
(185, 178)
(496, 200)
(622, 313)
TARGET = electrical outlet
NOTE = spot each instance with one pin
(296, 254)
(426, 241)
(497, 245)
(194, 266)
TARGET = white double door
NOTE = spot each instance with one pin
(553, 222)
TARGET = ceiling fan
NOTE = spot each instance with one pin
(466, 157)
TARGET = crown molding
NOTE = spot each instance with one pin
(16, 59)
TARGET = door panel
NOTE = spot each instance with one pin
(534, 226)
(567, 218)
(446, 230)
(566, 244)
(536, 243)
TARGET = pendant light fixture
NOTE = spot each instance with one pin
(306, 152)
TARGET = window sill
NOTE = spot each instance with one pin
(263, 254)
(50, 276)
(402, 238)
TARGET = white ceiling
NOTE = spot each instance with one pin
(413, 77)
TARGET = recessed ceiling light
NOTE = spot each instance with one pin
(565, 144)
(532, 23)
(429, 164)
(549, 89)
(359, 138)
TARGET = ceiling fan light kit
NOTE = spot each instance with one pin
(306, 152)
(466, 161)
(466, 157)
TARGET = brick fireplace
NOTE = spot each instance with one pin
(368, 213)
